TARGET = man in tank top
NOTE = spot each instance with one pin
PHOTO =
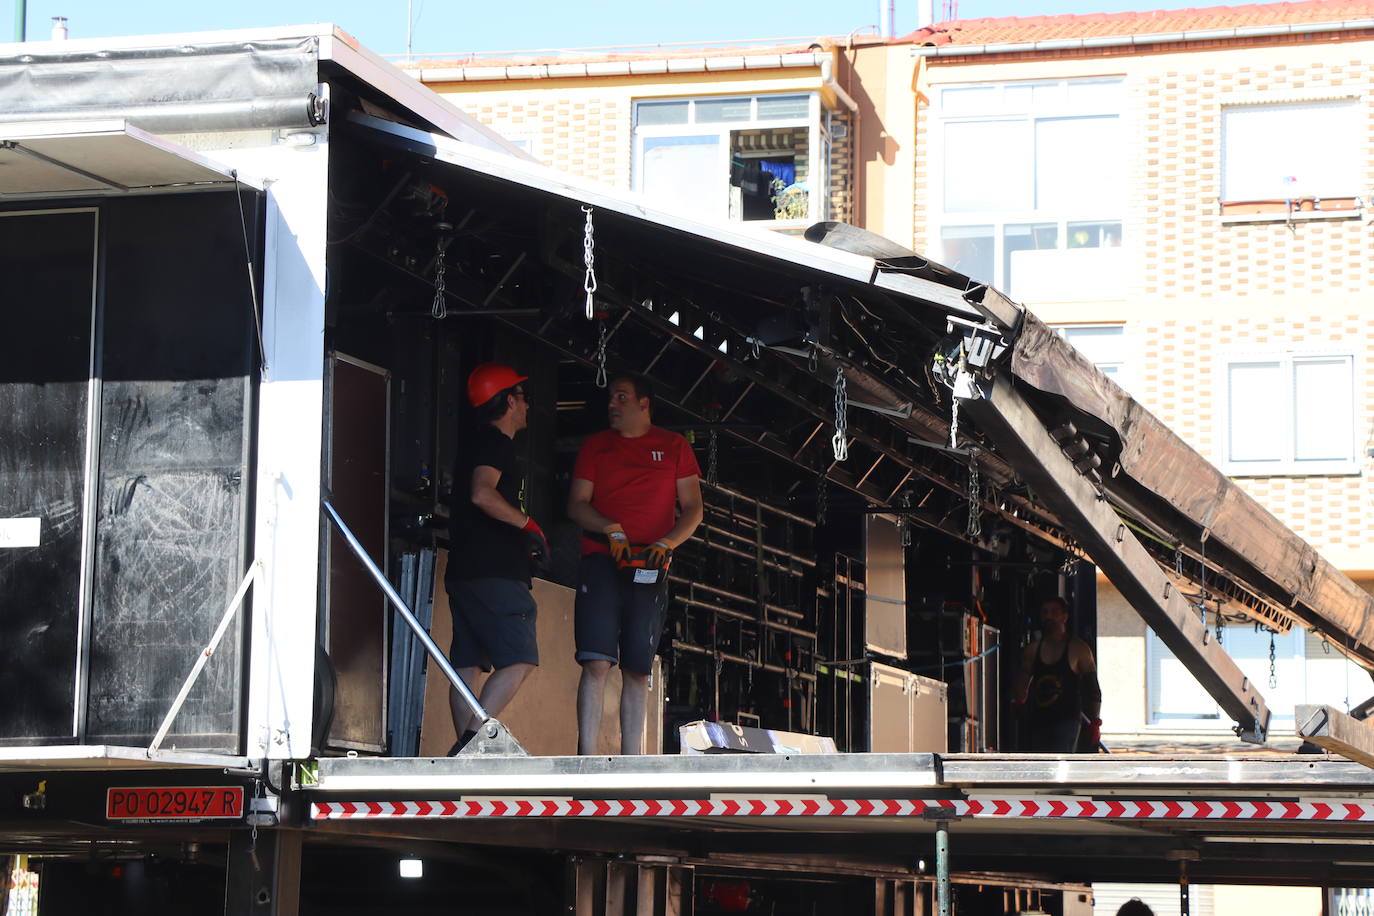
(1057, 689)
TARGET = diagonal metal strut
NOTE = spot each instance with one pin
(1008, 421)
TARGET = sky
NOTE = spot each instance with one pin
(455, 26)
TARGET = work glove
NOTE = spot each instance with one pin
(657, 555)
(620, 544)
(1095, 732)
(540, 554)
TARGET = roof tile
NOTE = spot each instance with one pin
(1020, 30)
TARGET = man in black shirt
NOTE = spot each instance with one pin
(1057, 689)
(492, 543)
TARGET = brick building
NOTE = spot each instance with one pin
(743, 133)
(1185, 193)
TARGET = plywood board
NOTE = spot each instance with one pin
(543, 715)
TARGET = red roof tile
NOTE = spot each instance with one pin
(1018, 30)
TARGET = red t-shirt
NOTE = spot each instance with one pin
(634, 481)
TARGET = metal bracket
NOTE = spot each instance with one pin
(902, 411)
(983, 343)
(493, 740)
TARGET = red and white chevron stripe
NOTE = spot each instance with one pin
(984, 806)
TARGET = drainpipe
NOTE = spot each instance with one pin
(828, 80)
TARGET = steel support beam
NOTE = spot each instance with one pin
(264, 873)
(1334, 731)
(1008, 421)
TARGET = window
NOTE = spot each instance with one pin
(1032, 186)
(1105, 345)
(744, 158)
(1308, 152)
(1303, 672)
(1286, 412)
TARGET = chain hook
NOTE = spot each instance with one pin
(601, 379)
(839, 443)
(439, 307)
(589, 259)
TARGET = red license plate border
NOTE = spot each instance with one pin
(173, 804)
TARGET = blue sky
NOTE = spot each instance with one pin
(458, 25)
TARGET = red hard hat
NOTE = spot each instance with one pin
(490, 379)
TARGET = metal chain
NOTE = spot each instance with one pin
(439, 309)
(822, 499)
(1178, 560)
(974, 528)
(904, 520)
(1221, 624)
(839, 443)
(589, 258)
(601, 380)
(1273, 663)
(712, 460)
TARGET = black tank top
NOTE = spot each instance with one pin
(1053, 693)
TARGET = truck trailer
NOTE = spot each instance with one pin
(245, 275)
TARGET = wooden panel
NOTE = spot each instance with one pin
(356, 607)
(543, 715)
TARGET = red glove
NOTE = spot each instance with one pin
(539, 544)
(658, 555)
(620, 544)
(1095, 731)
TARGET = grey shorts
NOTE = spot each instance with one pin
(615, 619)
(493, 623)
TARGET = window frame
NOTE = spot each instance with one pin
(1290, 648)
(817, 138)
(1026, 118)
(1288, 465)
(1299, 206)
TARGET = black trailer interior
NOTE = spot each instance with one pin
(768, 625)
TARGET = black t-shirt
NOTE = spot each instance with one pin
(480, 546)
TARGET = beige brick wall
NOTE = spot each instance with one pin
(585, 126)
(1198, 286)
(586, 134)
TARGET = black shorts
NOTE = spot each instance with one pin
(615, 618)
(493, 623)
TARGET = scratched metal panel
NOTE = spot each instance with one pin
(170, 532)
(46, 276)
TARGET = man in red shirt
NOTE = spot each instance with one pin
(638, 487)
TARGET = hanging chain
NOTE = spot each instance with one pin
(601, 380)
(1326, 645)
(953, 422)
(712, 459)
(904, 520)
(974, 528)
(1220, 622)
(1273, 663)
(962, 380)
(1178, 560)
(589, 258)
(822, 500)
(839, 443)
(1202, 582)
(439, 309)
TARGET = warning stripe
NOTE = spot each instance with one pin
(1010, 807)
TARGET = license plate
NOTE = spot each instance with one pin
(174, 803)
